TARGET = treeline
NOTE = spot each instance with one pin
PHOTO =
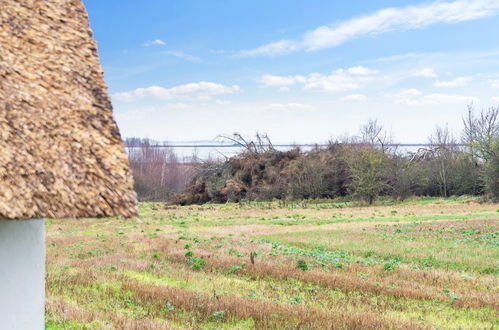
(362, 168)
(157, 171)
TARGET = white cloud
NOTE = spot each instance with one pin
(198, 91)
(406, 96)
(217, 51)
(284, 89)
(274, 48)
(458, 82)
(269, 80)
(288, 107)
(156, 42)
(495, 99)
(410, 92)
(361, 71)
(354, 98)
(135, 114)
(183, 55)
(425, 73)
(382, 21)
(337, 81)
(222, 102)
(413, 96)
(437, 98)
(494, 83)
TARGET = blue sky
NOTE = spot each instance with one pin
(301, 71)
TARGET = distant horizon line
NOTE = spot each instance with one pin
(287, 145)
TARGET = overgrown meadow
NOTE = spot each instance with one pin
(423, 263)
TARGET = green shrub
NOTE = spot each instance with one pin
(390, 265)
(302, 264)
(196, 263)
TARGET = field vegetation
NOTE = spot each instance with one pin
(313, 264)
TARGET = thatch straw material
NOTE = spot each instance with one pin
(61, 154)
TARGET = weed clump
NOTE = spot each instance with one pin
(302, 264)
(196, 263)
(390, 265)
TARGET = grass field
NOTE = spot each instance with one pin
(424, 263)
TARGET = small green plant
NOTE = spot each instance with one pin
(390, 265)
(429, 261)
(218, 316)
(189, 253)
(109, 268)
(252, 294)
(236, 268)
(168, 308)
(369, 253)
(295, 300)
(338, 265)
(452, 295)
(302, 264)
(363, 276)
(196, 263)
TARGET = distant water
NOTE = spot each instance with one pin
(185, 153)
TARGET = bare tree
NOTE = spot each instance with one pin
(443, 145)
(481, 131)
(259, 145)
(156, 169)
(374, 133)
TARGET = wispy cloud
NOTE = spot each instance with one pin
(382, 21)
(184, 56)
(361, 71)
(425, 73)
(495, 99)
(458, 82)
(494, 83)
(354, 98)
(288, 107)
(337, 81)
(196, 91)
(274, 48)
(269, 80)
(156, 42)
(414, 96)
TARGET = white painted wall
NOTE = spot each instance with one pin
(22, 274)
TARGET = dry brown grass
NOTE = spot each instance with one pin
(267, 315)
(65, 312)
(123, 272)
(347, 281)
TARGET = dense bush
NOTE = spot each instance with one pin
(363, 168)
(492, 173)
(363, 172)
(369, 173)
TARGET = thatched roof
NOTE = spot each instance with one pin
(61, 154)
